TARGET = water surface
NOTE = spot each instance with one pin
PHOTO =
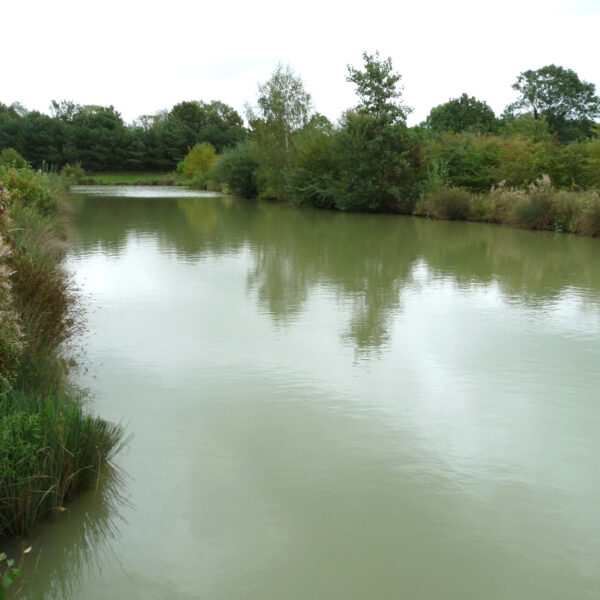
(333, 406)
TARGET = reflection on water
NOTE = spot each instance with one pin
(76, 545)
(365, 260)
(338, 406)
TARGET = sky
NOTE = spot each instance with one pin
(145, 56)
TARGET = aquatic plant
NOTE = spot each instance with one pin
(50, 447)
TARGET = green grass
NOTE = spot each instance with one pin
(49, 449)
(131, 179)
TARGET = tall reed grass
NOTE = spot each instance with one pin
(50, 446)
(538, 206)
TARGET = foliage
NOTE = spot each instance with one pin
(372, 172)
(309, 180)
(8, 573)
(73, 173)
(462, 114)
(471, 160)
(236, 168)
(283, 105)
(9, 156)
(568, 104)
(49, 445)
(587, 218)
(526, 127)
(199, 164)
(378, 90)
(215, 123)
(28, 188)
(283, 108)
(448, 203)
(371, 146)
(49, 449)
(11, 335)
(538, 208)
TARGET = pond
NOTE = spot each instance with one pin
(327, 405)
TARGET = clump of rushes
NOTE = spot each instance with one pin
(49, 449)
(50, 446)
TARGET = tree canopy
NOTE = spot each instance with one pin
(462, 114)
(559, 96)
(284, 106)
(378, 89)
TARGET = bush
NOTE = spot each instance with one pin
(27, 187)
(537, 209)
(236, 168)
(198, 163)
(309, 180)
(73, 174)
(471, 160)
(10, 157)
(11, 342)
(372, 171)
(448, 203)
(587, 219)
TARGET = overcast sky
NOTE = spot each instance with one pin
(143, 56)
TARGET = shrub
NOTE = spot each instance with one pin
(537, 209)
(471, 160)
(74, 173)
(587, 219)
(199, 162)
(236, 168)
(11, 343)
(10, 157)
(449, 203)
(309, 180)
(29, 188)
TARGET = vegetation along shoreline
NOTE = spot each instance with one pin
(535, 166)
(51, 446)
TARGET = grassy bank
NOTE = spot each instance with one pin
(50, 446)
(130, 179)
(538, 206)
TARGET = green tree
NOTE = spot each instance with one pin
(372, 146)
(568, 104)
(199, 163)
(378, 90)
(462, 114)
(213, 122)
(236, 168)
(283, 108)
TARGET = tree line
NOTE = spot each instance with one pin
(97, 137)
(368, 160)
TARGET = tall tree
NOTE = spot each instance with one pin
(378, 89)
(213, 122)
(283, 108)
(371, 147)
(462, 114)
(557, 94)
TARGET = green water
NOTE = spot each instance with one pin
(332, 406)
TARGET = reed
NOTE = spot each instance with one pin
(50, 446)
